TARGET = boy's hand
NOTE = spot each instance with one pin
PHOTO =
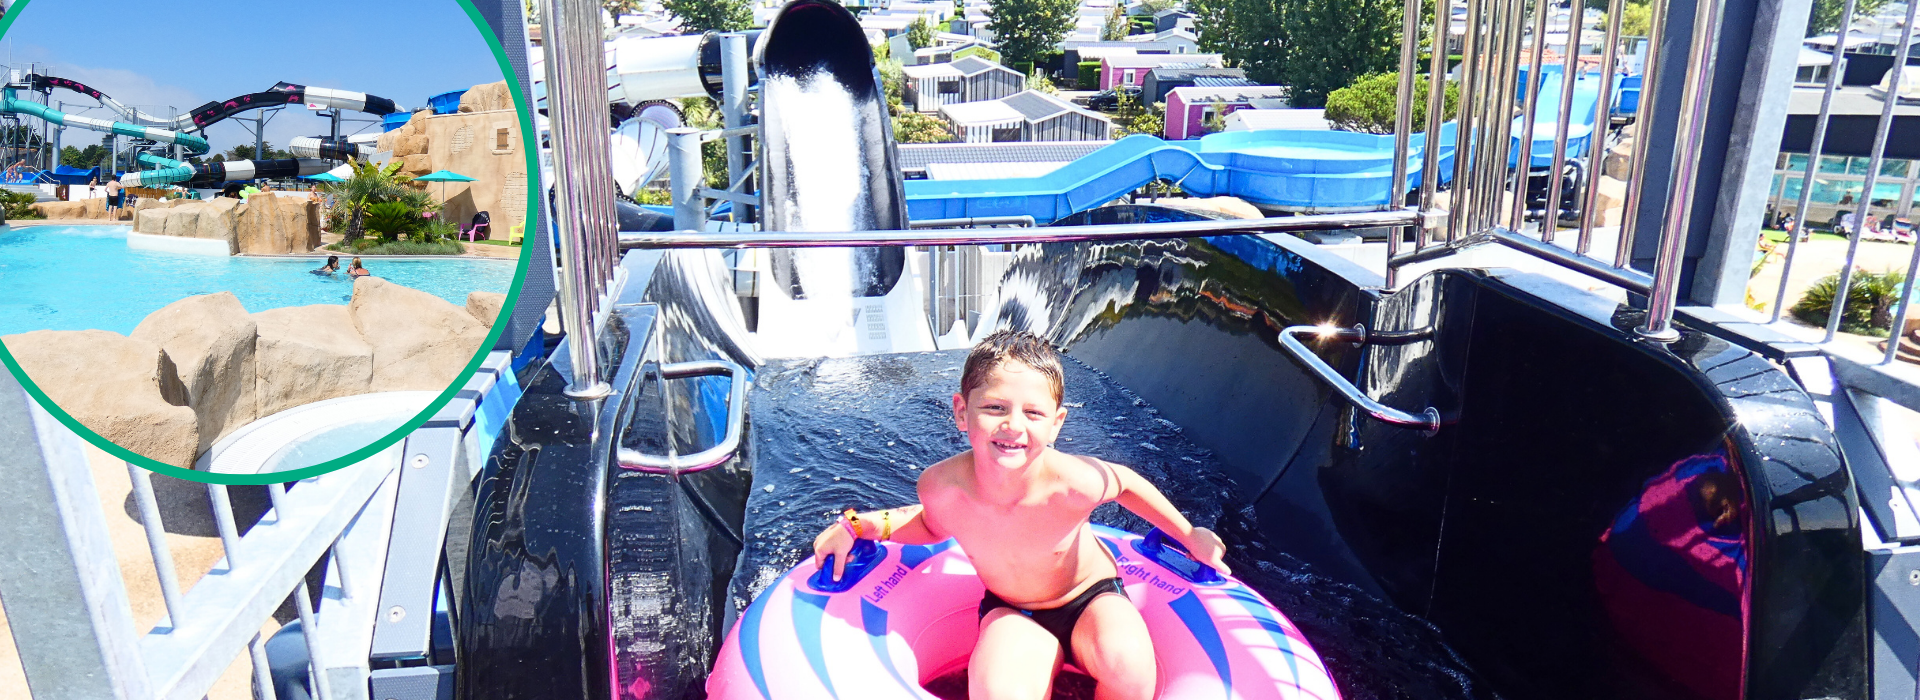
(835, 541)
(1206, 548)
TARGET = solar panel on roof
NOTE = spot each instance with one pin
(1222, 81)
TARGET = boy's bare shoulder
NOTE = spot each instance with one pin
(1090, 477)
(942, 476)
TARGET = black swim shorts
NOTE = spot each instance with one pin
(1059, 621)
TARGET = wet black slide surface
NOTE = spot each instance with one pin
(838, 432)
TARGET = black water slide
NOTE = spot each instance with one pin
(829, 162)
(206, 115)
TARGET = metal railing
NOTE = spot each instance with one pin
(206, 627)
(377, 526)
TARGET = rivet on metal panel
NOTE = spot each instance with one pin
(396, 614)
(419, 461)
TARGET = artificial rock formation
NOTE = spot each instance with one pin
(420, 341)
(485, 306)
(491, 97)
(308, 354)
(200, 368)
(483, 142)
(95, 208)
(1612, 200)
(277, 224)
(264, 224)
(125, 389)
(210, 340)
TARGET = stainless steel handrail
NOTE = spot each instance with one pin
(1428, 419)
(711, 457)
(1692, 128)
(1103, 232)
(582, 209)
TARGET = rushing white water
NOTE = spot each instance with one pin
(818, 120)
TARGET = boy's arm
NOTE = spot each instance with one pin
(1138, 495)
(904, 525)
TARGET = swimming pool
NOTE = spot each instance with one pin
(85, 277)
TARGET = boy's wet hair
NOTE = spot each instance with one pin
(1026, 348)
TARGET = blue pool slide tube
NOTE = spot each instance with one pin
(9, 103)
(1291, 170)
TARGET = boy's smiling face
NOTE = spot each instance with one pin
(1011, 418)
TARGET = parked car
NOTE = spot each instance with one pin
(1109, 100)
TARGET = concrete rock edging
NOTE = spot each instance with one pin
(201, 368)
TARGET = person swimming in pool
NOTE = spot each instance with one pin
(332, 266)
(1021, 509)
(358, 270)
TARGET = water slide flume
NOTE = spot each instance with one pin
(12, 104)
(1304, 171)
(176, 172)
(205, 115)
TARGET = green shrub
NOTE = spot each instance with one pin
(913, 127)
(391, 219)
(1089, 76)
(19, 205)
(436, 229)
(1369, 104)
(658, 196)
(367, 246)
(1870, 300)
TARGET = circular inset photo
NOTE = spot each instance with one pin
(255, 242)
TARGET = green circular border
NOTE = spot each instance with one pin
(528, 139)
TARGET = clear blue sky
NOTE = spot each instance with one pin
(184, 54)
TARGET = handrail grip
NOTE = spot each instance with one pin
(1099, 232)
(713, 456)
(1428, 420)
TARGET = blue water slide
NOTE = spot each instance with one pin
(1586, 103)
(1284, 169)
(11, 104)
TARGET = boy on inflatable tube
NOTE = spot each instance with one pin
(1020, 510)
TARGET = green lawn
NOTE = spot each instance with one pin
(491, 242)
(1778, 236)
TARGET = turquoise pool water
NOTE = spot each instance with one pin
(85, 277)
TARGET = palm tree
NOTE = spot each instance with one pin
(370, 184)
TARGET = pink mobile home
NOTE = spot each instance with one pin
(1188, 107)
(1131, 70)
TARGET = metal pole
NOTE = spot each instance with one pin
(157, 542)
(733, 108)
(1523, 164)
(1686, 170)
(1436, 115)
(1873, 173)
(686, 176)
(1465, 141)
(1637, 170)
(1490, 129)
(1499, 116)
(1511, 176)
(575, 79)
(1570, 63)
(1403, 125)
(1813, 158)
(1602, 124)
(259, 136)
(1898, 329)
